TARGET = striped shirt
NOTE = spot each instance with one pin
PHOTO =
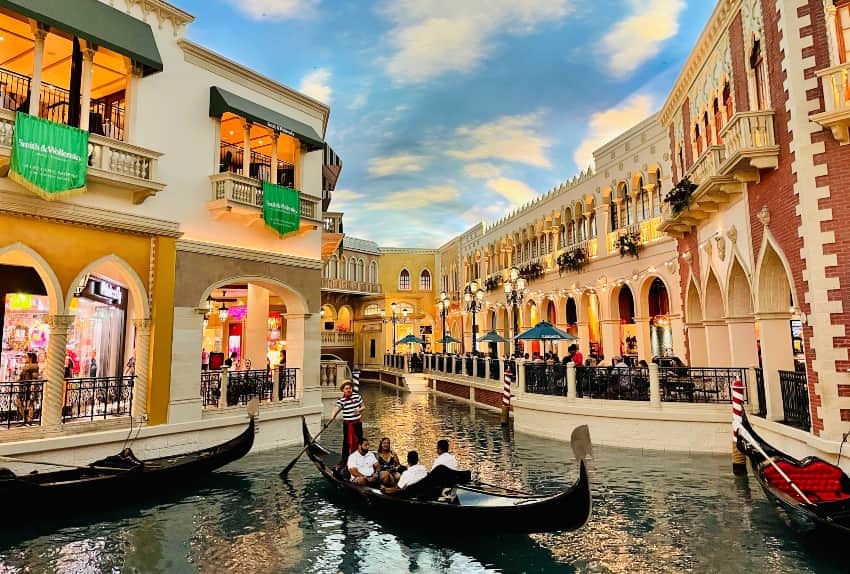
(349, 407)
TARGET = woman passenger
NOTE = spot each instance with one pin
(390, 468)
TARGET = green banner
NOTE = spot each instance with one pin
(49, 159)
(281, 208)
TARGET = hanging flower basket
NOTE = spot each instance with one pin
(492, 283)
(679, 198)
(629, 244)
(531, 271)
(573, 260)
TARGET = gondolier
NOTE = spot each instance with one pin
(351, 405)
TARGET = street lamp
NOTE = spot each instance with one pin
(514, 290)
(473, 298)
(443, 306)
(394, 319)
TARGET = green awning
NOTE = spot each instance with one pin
(223, 101)
(97, 23)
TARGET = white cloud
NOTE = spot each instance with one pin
(431, 37)
(416, 198)
(276, 9)
(509, 138)
(346, 196)
(358, 101)
(482, 170)
(639, 36)
(394, 164)
(605, 126)
(316, 84)
(516, 192)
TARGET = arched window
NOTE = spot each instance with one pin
(361, 270)
(425, 280)
(643, 206)
(842, 23)
(372, 310)
(718, 120)
(615, 216)
(681, 163)
(562, 239)
(404, 280)
(698, 140)
(592, 223)
(332, 267)
(571, 233)
(727, 101)
(707, 126)
(352, 269)
(657, 197)
(373, 272)
(544, 245)
(626, 211)
(757, 65)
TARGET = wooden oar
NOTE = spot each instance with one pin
(479, 483)
(21, 461)
(289, 466)
(748, 437)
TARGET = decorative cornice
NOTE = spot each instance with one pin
(163, 11)
(711, 34)
(411, 250)
(241, 253)
(27, 205)
(218, 64)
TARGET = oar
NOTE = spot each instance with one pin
(21, 461)
(479, 483)
(748, 437)
(289, 466)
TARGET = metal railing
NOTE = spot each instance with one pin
(613, 383)
(394, 361)
(543, 379)
(242, 386)
(468, 365)
(350, 285)
(795, 399)
(699, 384)
(20, 403)
(247, 191)
(210, 388)
(762, 396)
(231, 159)
(414, 364)
(287, 384)
(97, 397)
(494, 369)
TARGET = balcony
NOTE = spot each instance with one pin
(348, 286)
(111, 162)
(750, 145)
(238, 197)
(337, 339)
(648, 230)
(835, 83)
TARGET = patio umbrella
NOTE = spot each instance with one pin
(410, 340)
(448, 339)
(493, 337)
(545, 331)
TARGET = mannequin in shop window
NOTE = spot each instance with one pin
(93, 365)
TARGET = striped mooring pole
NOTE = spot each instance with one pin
(355, 380)
(506, 397)
(739, 461)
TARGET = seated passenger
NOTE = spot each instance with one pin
(414, 473)
(363, 465)
(443, 456)
(390, 467)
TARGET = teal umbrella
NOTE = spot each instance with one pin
(410, 340)
(447, 339)
(493, 337)
(545, 331)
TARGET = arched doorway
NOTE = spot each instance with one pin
(743, 336)
(624, 305)
(551, 313)
(572, 316)
(716, 331)
(695, 328)
(591, 314)
(533, 347)
(660, 330)
(343, 319)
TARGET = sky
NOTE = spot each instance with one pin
(451, 112)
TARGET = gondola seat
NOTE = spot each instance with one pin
(432, 486)
(819, 481)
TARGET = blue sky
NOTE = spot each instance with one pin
(450, 112)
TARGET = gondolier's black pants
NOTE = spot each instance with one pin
(349, 429)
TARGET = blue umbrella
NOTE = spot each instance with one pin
(447, 339)
(493, 337)
(410, 340)
(545, 331)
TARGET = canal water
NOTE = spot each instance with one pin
(653, 512)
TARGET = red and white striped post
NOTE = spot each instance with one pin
(506, 397)
(739, 461)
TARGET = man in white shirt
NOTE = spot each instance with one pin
(443, 456)
(363, 465)
(414, 473)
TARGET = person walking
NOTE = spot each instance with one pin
(351, 405)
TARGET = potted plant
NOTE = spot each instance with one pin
(629, 244)
(679, 198)
(572, 260)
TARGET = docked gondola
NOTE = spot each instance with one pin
(449, 501)
(811, 495)
(116, 478)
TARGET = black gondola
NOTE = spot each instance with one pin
(472, 508)
(825, 485)
(116, 478)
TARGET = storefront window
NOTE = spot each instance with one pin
(96, 338)
(24, 331)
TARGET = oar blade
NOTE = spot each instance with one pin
(580, 442)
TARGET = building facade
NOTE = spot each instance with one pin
(132, 295)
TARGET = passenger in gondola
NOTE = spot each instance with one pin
(414, 473)
(390, 467)
(363, 465)
(444, 457)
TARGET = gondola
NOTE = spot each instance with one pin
(825, 485)
(116, 478)
(468, 507)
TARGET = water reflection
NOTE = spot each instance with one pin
(653, 512)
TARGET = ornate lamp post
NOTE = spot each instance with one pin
(514, 291)
(473, 297)
(443, 306)
(394, 319)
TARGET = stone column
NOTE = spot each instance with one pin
(752, 391)
(654, 385)
(40, 33)
(85, 88)
(303, 350)
(571, 381)
(603, 224)
(184, 401)
(131, 103)
(610, 339)
(717, 344)
(677, 330)
(584, 337)
(257, 326)
(742, 341)
(142, 357)
(644, 342)
(776, 355)
(53, 399)
(273, 174)
(246, 149)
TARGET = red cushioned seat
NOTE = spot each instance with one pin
(819, 481)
